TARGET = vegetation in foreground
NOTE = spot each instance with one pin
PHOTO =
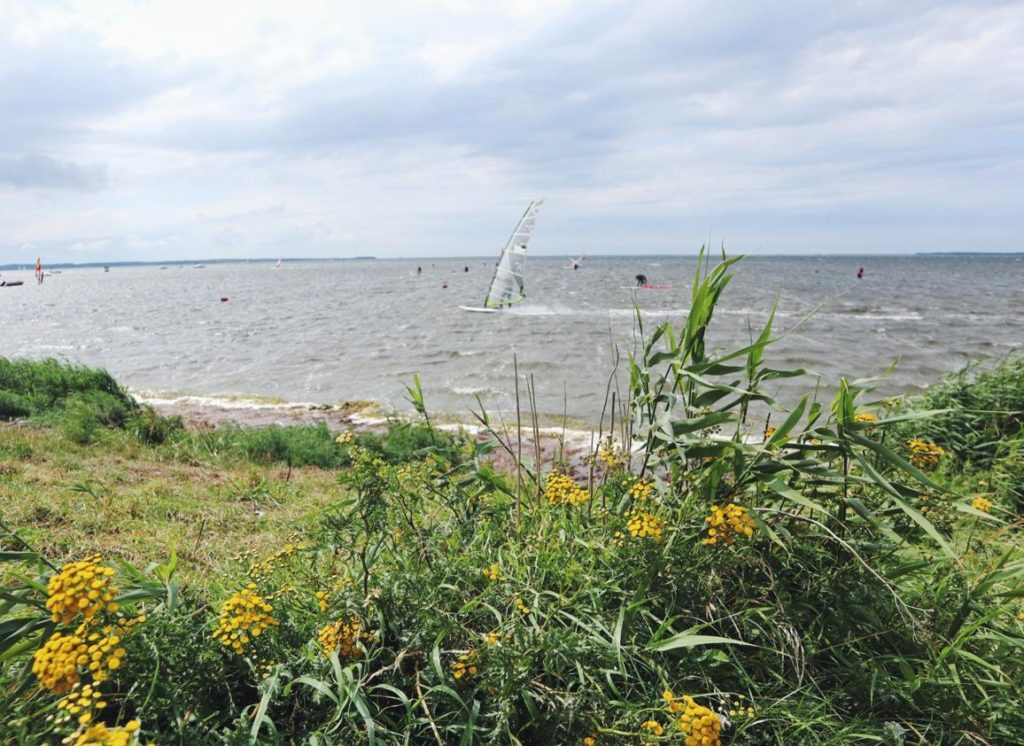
(850, 574)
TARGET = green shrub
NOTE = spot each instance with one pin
(46, 384)
(986, 409)
(299, 445)
(13, 405)
(80, 422)
(152, 428)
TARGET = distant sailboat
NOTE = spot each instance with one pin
(278, 265)
(507, 283)
(577, 262)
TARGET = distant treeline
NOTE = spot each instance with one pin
(176, 262)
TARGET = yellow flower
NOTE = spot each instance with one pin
(589, 741)
(264, 568)
(653, 727)
(612, 455)
(100, 734)
(465, 665)
(725, 524)
(244, 616)
(80, 588)
(924, 455)
(982, 503)
(343, 636)
(560, 488)
(493, 573)
(643, 525)
(63, 659)
(699, 724)
(344, 438)
(641, 490)
(864, 417)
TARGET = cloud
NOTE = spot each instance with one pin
(650, 119)
(44, 172)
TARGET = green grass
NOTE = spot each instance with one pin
(872, 603)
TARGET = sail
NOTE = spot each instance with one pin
(507, 283)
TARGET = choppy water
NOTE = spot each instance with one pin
(335, 331)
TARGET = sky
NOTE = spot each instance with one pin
(153, 130)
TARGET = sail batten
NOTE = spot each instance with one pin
(507, 283)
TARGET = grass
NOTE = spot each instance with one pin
(129, 500)
(824, 584)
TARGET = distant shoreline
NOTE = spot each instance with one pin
(27, 266)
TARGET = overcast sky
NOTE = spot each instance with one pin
(161, 130)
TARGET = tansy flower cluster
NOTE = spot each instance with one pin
(243, 617)
(725, 524)
(641, 490)
(266, 567)
(81, 588)
(492, 639)
(321, 600)
(465, 665)
(75, 663)
(58, 661)
(924, 455)
(493, 573)
(982, 503)
(611, 455)
(344, 438)
(700, 725)
(738, 708)
(103, 735)
(561, 488)
(864, 417)
(343, 636)
(642, 525)
(522, 607)
(81, 704)
(653, 727)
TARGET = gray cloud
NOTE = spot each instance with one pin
(45, 172)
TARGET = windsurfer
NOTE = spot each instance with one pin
(641, 280)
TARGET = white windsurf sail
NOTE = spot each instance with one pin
(507, 284)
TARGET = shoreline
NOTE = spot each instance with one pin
(573, 445)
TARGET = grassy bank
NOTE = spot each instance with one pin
(847, 572)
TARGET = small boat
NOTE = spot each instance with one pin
(507, 283)
(198, 266)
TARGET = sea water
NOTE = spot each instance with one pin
(328, 332)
